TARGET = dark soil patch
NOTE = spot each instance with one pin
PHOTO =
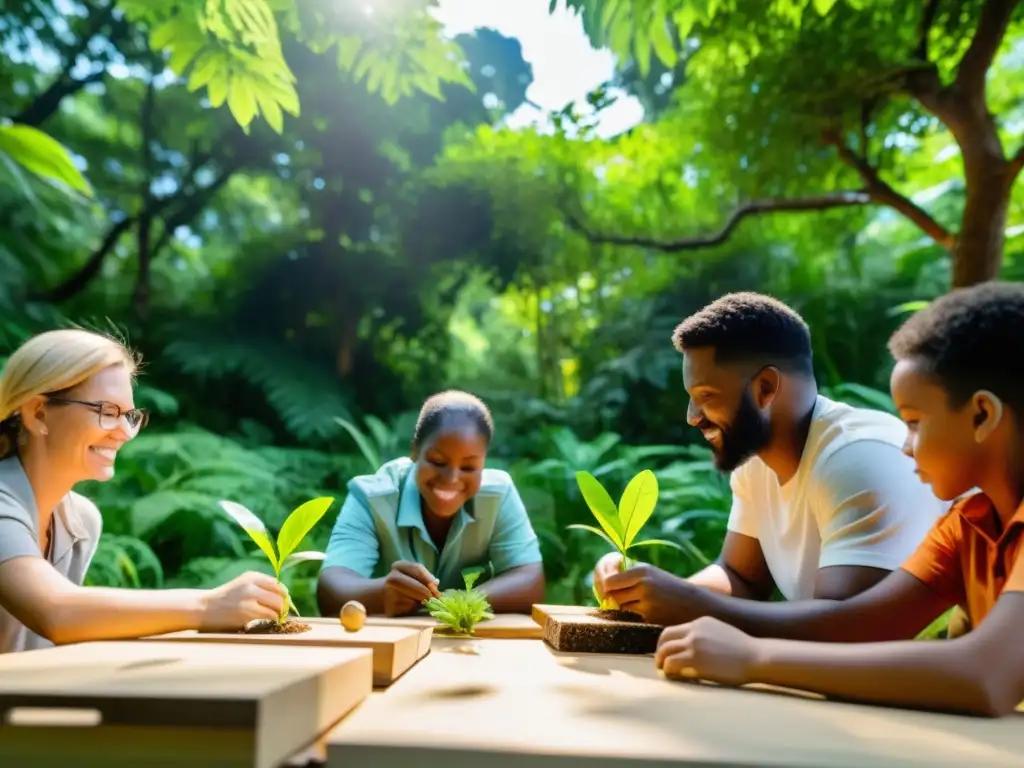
(273, 628)
(607, 636)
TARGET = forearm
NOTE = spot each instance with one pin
(719, 579)
(336, 586)
(516, 590)
(925, 675)
(818, 620)
(98, 613)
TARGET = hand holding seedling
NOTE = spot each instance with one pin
(294, 529)
(657, 595)
(251, 596)
(620, 526)
(406, 588)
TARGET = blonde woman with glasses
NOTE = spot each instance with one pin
(66, 408)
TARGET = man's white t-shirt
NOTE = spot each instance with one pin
(854, 500)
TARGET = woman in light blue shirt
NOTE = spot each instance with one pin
(412, 528)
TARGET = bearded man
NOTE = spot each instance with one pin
(824, 501)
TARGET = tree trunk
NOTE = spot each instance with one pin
(979, 248)
(978, 253)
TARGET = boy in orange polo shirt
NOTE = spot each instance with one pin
(958, 383)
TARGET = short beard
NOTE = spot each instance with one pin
(750, 432)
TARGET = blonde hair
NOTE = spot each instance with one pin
(52, 362)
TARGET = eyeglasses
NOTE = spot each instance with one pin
(109, 414)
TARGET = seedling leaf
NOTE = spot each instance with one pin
(602, 506)
(637, 505)
(299, 523)
(300, 557)
(460, 610)
(592, 529)
(253, 526)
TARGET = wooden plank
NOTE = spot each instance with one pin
(395, 649)
(172, 704)
(520, 704)
(581, 633)
(502, 626)
(540, 611)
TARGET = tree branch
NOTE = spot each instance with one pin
(77, 282)
(927, 20)
(63, 86)
(884, 194)
(992, 26)
(753, 208)
(1016, 165)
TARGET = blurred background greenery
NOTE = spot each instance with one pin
(309, 217)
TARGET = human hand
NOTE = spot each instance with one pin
(606, 566)
(707, 649)
(657, 595)
(406, 587)
(250, 596)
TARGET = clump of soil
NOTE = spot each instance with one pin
(610, 635)
(273, 628)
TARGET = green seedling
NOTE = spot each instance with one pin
(460, 610)
(620, 525)
(299, 523)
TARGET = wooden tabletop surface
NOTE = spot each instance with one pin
(515, 703)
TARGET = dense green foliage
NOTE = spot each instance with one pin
(309, 220)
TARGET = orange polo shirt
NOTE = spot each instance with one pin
(967, 560)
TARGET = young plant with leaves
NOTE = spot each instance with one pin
(299, 523)
(621, 524)
(460, 610)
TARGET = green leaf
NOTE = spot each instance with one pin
(637, 505)
(299, 523)
(42, 155)
(823, 6)
(602, 507)
(598, 531)
(686, 547)
(253, 526)
(242, 100)
(300, 557)
(664, 48)
(271, 111)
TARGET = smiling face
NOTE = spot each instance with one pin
(723, 408)
(449, 465)
(941, 439)
(74, 439)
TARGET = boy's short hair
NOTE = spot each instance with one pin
(968, 340)
(749, 327)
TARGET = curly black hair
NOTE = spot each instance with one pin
(749, 327)
(968, 340)
(451, 403)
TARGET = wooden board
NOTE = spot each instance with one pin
(540, 611)
(519, 704)
(505, 625)
(395, 649)
(581, 633)
(173, 704)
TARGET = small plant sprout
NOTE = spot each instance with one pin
(299, 523)
(460, 610)
(620, 525)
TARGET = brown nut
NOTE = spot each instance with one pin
(353, 616)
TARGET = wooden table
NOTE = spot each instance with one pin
(517, 703)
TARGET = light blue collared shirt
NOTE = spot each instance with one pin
(381, 522)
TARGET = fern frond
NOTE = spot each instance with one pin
(305, 396)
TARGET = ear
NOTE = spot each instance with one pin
(766, 386)
(33, 416)
(987, 414)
